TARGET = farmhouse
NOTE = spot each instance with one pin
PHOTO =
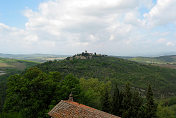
(70, 109)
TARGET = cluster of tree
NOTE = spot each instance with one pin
(128, 103)
(167, 108)
(3, 86)
(34, 93)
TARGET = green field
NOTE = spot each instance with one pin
(14, 63)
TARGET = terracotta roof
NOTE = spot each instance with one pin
(70, 109)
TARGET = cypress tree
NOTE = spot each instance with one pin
(106, 106)
(127, 103)
(137, 105)
(132, 103)
(117, 101)
(150, 106)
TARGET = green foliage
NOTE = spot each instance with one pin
(10, 67)
(92, 91)
(167, 107)
(132, 103)
(35, 92)
(169, 101)
(70, 84)
(139, 75)
(10, 115)
(117, 101)
(150, 106)
(164, 112)
(106, 104)
(29, 93)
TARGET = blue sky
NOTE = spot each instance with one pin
(114, 27)
(11, 11)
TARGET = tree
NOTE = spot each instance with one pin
(106, 105)
(117, 101)
(92, 91)
(12, 102)
(127, 97)
(137, 105)
(131, 104)
(164, 112)
(30, 93)
(150, 106)
(68, 85)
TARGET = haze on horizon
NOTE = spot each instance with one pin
(113, 27)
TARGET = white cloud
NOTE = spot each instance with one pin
(71, 26)
(111, 37)
(170, 44)
(161, 40)
(86, 22)
(162, 13)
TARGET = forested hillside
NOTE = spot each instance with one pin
(114, 85)
(163, 80)
(34, 93)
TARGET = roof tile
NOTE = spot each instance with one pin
(70, 109)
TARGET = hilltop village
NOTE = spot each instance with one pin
(85, 55)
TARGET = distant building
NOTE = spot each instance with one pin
(71, 109)
(85, 55)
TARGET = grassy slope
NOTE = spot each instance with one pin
(14, 63)
(163, 80)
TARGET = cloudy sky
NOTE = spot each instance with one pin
(114, 27)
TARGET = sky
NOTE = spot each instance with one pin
(113, 27)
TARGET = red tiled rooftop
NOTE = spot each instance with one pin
(70, 109)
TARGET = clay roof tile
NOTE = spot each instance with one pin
(70, 109)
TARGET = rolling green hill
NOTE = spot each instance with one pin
(170, 59)
(11, 66)
(162, 61)
(34, 57)
(14, 63)
(163, 80)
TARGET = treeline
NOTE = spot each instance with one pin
(34, 93)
